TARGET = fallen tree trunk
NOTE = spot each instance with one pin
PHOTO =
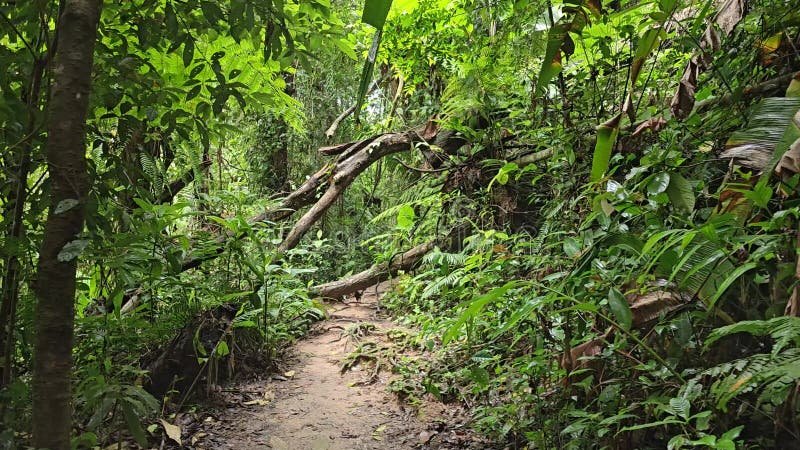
(353, 159)
(373, 275)
(347, 168)
(387, 269)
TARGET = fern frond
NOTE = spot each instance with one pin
(770, 374)
(448, 280)
(148, 165)
(439, 257)
(785, 330)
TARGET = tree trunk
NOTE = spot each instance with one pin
(406, 261)
(16, 231)
(55, 283)
(373, 275)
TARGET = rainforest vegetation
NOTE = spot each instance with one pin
(588, 209)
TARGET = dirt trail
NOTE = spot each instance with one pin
(313, 406)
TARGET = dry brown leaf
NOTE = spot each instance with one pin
(790, 162)
(752, 156)
(198, 436)
(729, 14)
(430, 130)
(173, 431)
(425, 436)
(655, 304)
(580, 353)
(654, 124)
(683, 101)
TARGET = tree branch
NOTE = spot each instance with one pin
(767, 88)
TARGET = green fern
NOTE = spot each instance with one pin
(772, 375)
(439, 257)
(449, 280)
(149, 167)
(785, 330)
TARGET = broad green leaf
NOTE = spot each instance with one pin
(194, 92)
(606, 138)
(551, 66)
(680, 192)
(572, 247)
(658, 183)
(134, 425)
(405, 217)
(620, 308)
(502, 176)
(680, 406)
(475, 306)
(479, 375)
(646, 44)
(574, 20)
(366, 74)
(211, 11)
(346, 47)
(222, 349)
(188, 51)
(375, 12)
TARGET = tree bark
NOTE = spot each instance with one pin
(348, 167)
(55, 283)
(373, 275)
(385, 270)
(16, 231)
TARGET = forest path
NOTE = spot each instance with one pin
(314, 406)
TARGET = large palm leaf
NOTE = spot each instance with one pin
(773, 129)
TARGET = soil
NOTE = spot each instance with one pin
(315, 405)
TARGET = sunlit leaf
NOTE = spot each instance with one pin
(606, 138)
(375, 12)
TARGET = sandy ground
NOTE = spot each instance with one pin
(314, 406)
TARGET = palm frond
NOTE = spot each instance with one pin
(768, 131)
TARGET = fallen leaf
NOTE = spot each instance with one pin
(425, 436)
(376, 434)
(173, 431)
(289, 374)
(258, 402)
(654, 124)
(197, 437)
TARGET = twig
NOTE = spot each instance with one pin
(336, 122)
(417, 169)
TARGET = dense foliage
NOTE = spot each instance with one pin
(608, 191)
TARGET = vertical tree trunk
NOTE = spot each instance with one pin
(279, 159)
(16, 230)
(55, 283)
